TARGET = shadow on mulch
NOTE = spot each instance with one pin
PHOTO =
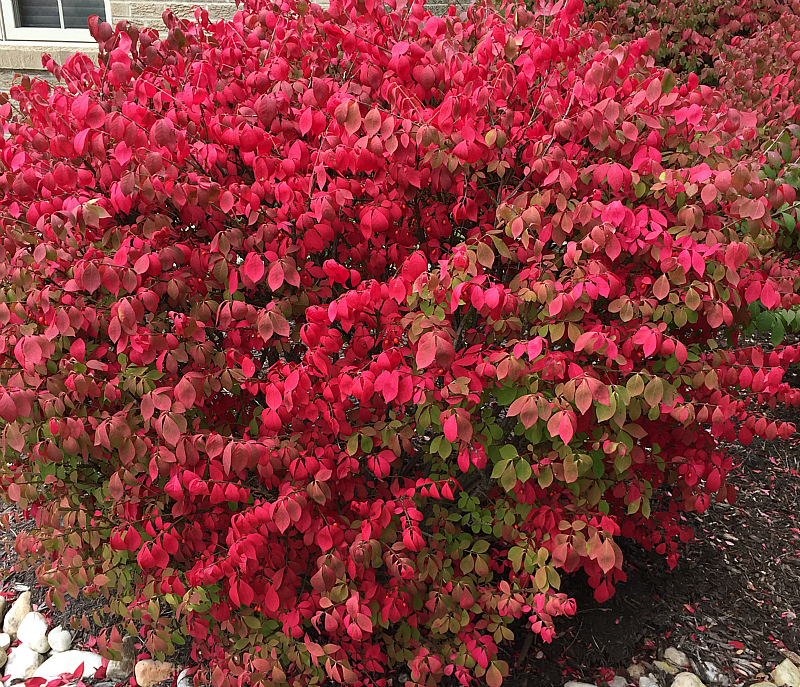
(732, 599)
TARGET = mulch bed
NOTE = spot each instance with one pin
(733, 598)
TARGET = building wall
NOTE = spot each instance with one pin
(25, 57)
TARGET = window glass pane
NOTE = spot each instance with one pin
(77, 12)
(40, 14)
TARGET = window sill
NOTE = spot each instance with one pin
(27, 55)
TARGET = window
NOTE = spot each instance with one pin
(50, 20)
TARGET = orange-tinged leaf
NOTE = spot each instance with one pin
(606, 558)
(661, 287)
(709, 194)
(493, 676)
(115, 488)
(583, 397)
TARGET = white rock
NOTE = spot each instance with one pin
(636, 671)
(32, 631)
(5, 641)
(618, 681)
(787, 674)
(119, 670)
(676, 657)
(22, 662)
(184, 679)
(59, 639)
(714, 674)
(68, 662)
(20, 608)
(572, 683)
(648, 681)
(688, 680)
(3, 658)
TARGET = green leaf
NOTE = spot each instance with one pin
(508, 452)
(480, 546)
(508, 480)
(499, 468)
(467, 564)
(523, 470)
(598, 467)
(667, 82)
(778, 332)
(622, 463)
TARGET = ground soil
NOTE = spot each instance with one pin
(732, 600)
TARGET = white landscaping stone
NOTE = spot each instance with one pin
(32, 631)
(5, 640)
(22, 662)
(618, 681)
(713, 673)
(687, 680)
(572, 683)
(59, 639)
(787, 674)
(676, 657)
(636, 671)
(648, 681)
(68, 662)
(184, 679)
(20, 608)
(3, 658)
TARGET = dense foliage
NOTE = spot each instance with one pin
(332, 338)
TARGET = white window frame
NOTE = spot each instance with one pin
(12, 32)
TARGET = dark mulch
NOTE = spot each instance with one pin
(733, 598)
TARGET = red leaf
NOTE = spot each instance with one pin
(248, 367)
(162, 134)
(185, 393)
(246, 594)
(275, 276)
(451, 428)
(271, 600)
(132, 539)
(426, 350)
(8, 409)
(90, 279)
(253, 268)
